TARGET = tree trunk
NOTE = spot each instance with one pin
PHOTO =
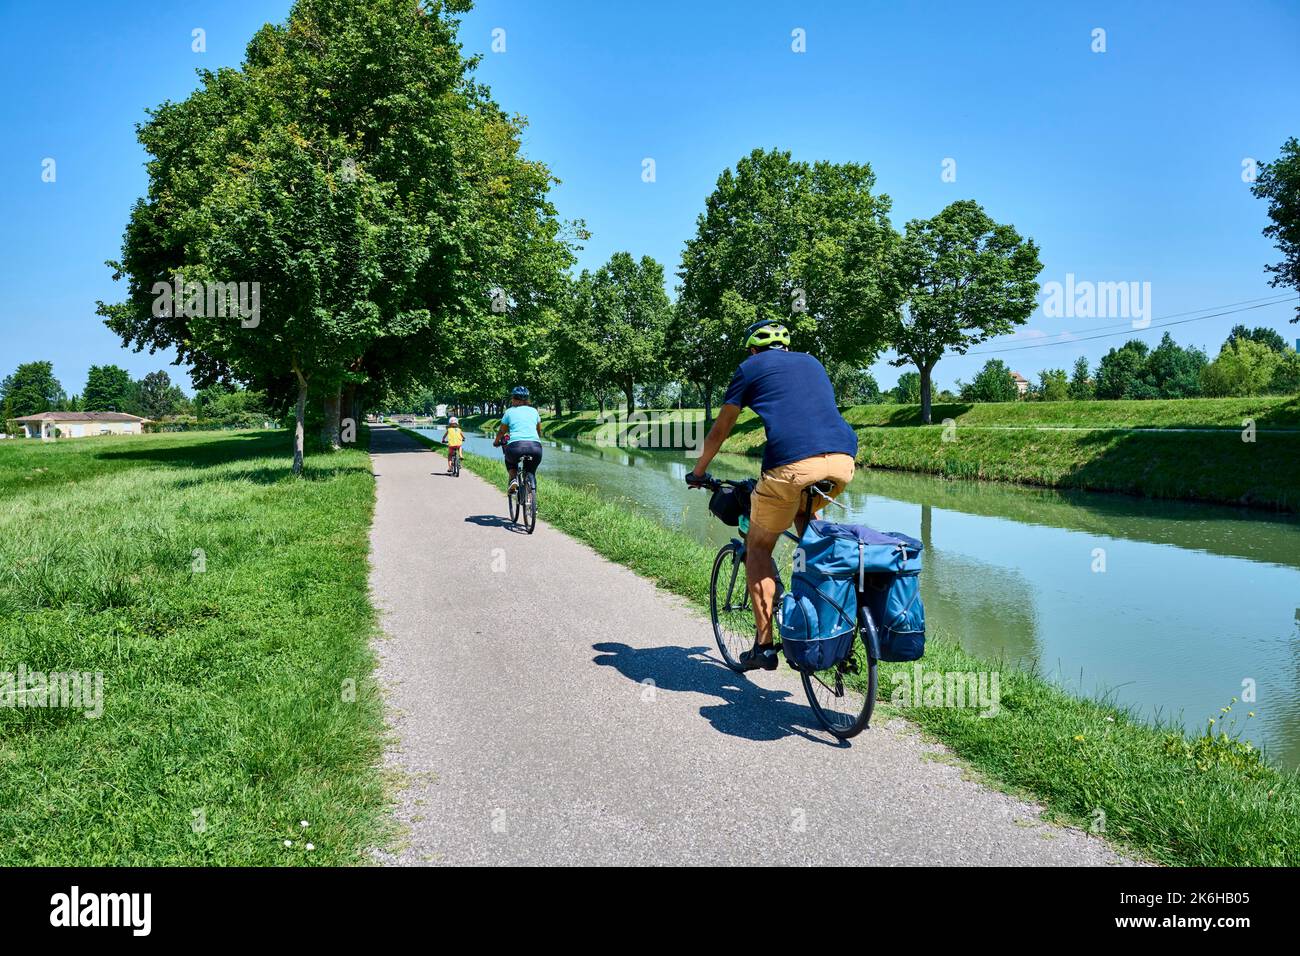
(708, 408)
(329, 433)
(300, 413)
(925, 393)
(631, 404)
(348, 404)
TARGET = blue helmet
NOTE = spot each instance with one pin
(519, 392)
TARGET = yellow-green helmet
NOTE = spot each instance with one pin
(765, 334)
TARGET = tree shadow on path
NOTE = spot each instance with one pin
(748, 710)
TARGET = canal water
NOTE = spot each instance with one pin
(1171, 609)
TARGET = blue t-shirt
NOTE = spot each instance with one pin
(792, 394)
(521, 421)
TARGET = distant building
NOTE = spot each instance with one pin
(1022, 383)
(80, 424)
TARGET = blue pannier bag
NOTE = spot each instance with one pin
(843, 572)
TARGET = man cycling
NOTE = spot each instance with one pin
(520, 434)
(807, 441)
(453, 438)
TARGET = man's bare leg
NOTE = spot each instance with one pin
(760, 579)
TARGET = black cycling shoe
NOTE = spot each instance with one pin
(760, 655)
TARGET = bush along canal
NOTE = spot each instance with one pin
(1127, 638)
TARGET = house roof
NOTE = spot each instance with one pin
(81, 417)
(1018, 377)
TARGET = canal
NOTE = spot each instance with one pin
(1168, 608)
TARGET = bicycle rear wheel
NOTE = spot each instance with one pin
(529, 503)
(512, 498)
(729, 607)
(844, 696)
(455, 466)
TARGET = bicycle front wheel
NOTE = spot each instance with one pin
(843, 696)
(529, 504)
(729, 607)
(512, 498)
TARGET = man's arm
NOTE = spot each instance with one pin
(722, 426)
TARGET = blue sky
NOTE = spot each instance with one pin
(1124, 166)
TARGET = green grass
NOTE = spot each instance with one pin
(1091, 446)
(1197, 801)
(1267, 412)
(226, 690)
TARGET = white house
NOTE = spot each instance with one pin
(80, 424)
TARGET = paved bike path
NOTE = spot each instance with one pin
(550, 707)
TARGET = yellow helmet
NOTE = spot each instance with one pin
(766, 333)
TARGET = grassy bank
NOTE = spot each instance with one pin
(1090, 446)
(1180, 800)
(226, 605)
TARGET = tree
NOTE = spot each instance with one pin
(853, 386)
(1261, 334)
(967, 279)
(807, 245)
(1279, 183)
(156, 396)
(1080, 383)
(993, 383)
(1054, 385)
(30, 390)
(908, 389)
(1243, 367)
(108, 389)
(1286, 377)
(356, 172)
(629, 318)
(1119, 374)
(1171, 371)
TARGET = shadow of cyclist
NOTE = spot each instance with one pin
(496, 521)
(748, 710)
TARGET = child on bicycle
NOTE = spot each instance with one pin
(453, 438)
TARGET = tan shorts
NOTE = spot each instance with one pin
(779, 493)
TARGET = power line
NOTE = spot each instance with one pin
(1130, 330)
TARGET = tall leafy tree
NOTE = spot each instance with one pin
(1120, 372)
(1261, 334)
(1172, 371)
(1279, 183)
(108, 389)
(993, 383)
(967, 279)
(908, 389)
(807, 244)
(156, 396)
(1054, 385)
(629, 316)
(1242, 367)
(30, 390)
(354, 169)
(1080, 381)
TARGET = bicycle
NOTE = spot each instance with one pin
(843, 696)
(522, 495)
(454, 462)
